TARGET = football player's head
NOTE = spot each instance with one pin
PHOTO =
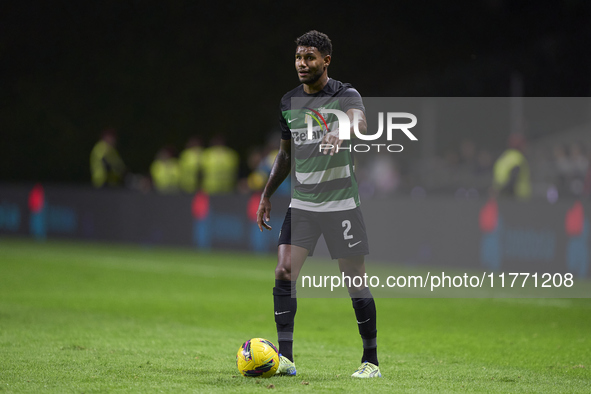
(317, 40)
(312, 57)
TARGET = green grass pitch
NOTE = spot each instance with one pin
(78, 317)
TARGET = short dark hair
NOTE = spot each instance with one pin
(315, 39)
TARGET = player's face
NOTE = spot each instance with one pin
(310, 64)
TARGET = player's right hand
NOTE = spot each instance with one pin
(332, 139)
(264, 213)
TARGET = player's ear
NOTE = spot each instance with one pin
(327, 60)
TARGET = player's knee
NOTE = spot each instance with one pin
(354, 272)
(282, 273)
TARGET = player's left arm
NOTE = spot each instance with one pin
(356, 116)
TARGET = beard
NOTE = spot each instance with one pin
(313, 78)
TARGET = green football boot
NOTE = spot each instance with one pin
(286, 367)
(367, 370)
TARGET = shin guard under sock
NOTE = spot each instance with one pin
(286, 306)
(365, 312)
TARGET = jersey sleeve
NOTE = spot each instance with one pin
(285, 132)
(351, 99)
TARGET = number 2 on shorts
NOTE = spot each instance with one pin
(347, 226)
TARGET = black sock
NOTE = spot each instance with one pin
(285, 311)
(370, 355)
(365, 312)
(286, 349)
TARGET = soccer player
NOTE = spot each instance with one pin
(325, 200)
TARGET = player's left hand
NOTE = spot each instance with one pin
(332, 139)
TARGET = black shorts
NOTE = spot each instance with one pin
(344, 231)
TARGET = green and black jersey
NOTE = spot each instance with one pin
(322, 183)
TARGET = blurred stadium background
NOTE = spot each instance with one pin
(155, 124)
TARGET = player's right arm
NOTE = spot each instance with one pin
(280, 170)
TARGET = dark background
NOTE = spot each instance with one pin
(159, 72)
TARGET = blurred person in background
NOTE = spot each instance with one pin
(264, 168)
(106, 166)
(579, 160)
(220, 167)
(511, 175)
(563, 168)
(165, 171)
(190, 165)
(579, 166)
(253, 180)
(571, 165)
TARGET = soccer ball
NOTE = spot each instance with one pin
(257, 357)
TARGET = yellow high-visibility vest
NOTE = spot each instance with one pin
(106, 167)
(165, 175)
(510, 159)
(189, 166)
(220, 169)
